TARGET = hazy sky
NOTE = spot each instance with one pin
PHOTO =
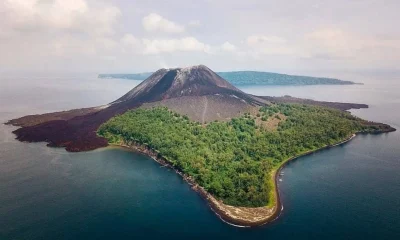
(135, 36)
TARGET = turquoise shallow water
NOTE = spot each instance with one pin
(347, 192)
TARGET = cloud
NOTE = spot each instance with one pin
(131, 44)
(351, 49)
(194, 23)
(186, 44)
(260, 39)
(154, 22)
(331, 43)
(228, 47)
(79, 34)
(37, 16)
(44, 34)
(339, 44)
(269, 45)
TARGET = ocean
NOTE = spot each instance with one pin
(347, 192)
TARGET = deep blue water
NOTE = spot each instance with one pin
(347, 192)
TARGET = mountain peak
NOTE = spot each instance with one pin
(188, 68)
(196, 67)
(196, 80)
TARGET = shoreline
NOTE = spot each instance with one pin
(284, 163)
(235, 216)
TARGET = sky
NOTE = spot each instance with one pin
(123, 36)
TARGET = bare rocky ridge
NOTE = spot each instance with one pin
(195, 91)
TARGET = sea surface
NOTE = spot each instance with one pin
(347, 192)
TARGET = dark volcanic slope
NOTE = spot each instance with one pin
(76, 129)
(32, 120)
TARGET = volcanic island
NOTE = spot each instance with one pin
(230, 146)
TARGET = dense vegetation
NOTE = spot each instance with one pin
(250, 78)
(233, 160)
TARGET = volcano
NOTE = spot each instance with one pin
(196, 92)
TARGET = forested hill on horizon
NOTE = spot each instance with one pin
(240, 78)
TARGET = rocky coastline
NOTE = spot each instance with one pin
(236, 216)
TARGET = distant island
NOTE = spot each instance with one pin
(228, 145)
(240, 78)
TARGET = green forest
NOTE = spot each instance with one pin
(234, 160)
